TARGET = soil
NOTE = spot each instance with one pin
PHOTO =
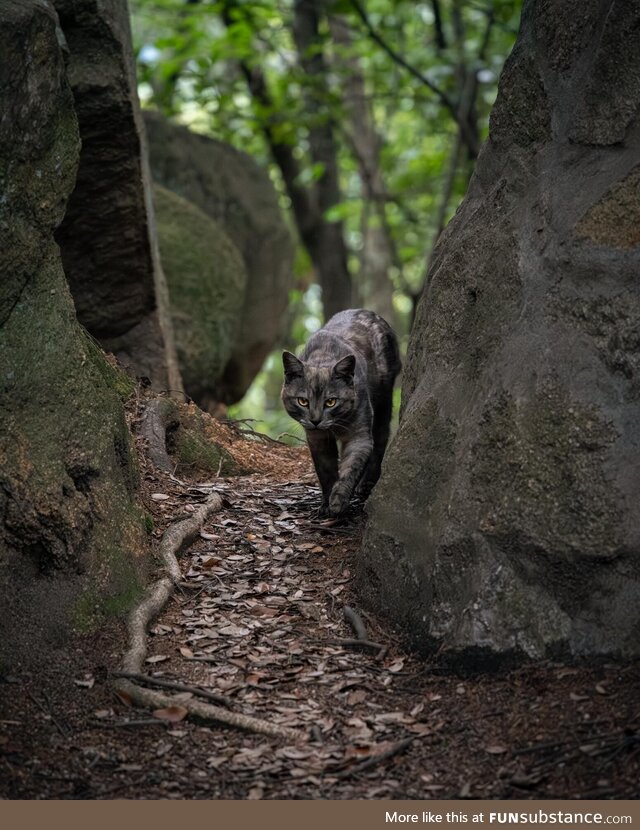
(261, 620)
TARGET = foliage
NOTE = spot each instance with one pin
(195, 59)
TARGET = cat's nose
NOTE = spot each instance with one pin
(315, 421)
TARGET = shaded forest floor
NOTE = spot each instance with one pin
(262, 622)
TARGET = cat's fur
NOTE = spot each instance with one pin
(355, 360)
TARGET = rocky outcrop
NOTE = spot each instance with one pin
(207, 282)
(230, 188)
(506, 523)
(69, 532)
(108, 243)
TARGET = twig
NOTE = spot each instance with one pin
(165, 683)
(48, 713)
(363, 645)
(131, 723)
(538, 747)
(396, 749)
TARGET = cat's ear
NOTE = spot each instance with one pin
(293, 367)
(345, 368)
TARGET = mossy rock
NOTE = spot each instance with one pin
(193, 449)
(69, 526)
(207, 280)
(237, 193)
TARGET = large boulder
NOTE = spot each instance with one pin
(506, 523)
(109, 248)
(233, 190)
(207, 281)
(70, 534)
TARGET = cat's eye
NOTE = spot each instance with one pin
(330, 402)
(303, 401)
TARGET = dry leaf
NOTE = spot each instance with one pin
(255, 794)
(495, 749)
(160, 496)
(157, 658)
(173, 714)
(124, 698)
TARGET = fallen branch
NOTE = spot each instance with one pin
(165, 683)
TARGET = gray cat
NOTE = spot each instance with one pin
(340, 390)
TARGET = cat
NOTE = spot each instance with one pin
(341, 390)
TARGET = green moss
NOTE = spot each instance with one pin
(114, 377)
(195, 451)
(207, 280)
(148, 523)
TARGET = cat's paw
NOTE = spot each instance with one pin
(338, 500)
(323, 510)
(363, 490)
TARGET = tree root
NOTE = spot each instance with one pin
(158, 415)
(166, 683)
(175, 539)
(207, 712)
(355, 621)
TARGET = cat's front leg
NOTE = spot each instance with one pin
(355, 456)
(324, 452)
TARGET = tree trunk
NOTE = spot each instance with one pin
(325, 242)
(506, 522)
(378, 256)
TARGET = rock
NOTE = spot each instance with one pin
(108, 243)
(506, 524)
(207, 281)
(70, 535)
(229, 187)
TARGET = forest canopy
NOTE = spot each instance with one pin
(369, 115)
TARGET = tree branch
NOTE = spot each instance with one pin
(467, 134)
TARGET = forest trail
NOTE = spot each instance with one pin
(260, 619)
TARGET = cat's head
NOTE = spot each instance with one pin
(319, 397)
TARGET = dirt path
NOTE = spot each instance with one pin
(262, 622)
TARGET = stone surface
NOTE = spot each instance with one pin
(207, 282)
(230, 188)
(69, 532)
(506, 524)
(107, 238)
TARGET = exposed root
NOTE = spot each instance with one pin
(355, 621)
(158, 415)
(175, 539)
(207, 712)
